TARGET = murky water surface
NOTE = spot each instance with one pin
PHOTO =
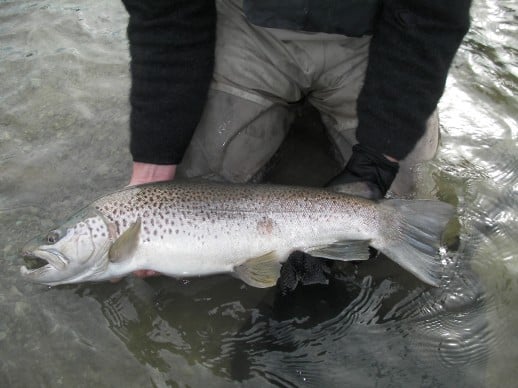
(63, 142)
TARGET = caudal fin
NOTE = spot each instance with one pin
(412, 237)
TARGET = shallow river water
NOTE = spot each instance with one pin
(63, 142)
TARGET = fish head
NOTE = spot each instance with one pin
(73, 252)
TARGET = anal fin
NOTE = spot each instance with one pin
(348, 250)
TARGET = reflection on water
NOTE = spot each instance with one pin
(63, 115)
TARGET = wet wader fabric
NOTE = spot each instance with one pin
(260, 75)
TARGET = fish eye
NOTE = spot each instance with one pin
(53, 236)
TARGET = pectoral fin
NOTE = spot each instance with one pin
(350, 250)
(260, 272)
(126, 245)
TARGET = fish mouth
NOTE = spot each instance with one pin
(40, 261)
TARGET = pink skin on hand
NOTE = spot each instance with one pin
(391, 158)
(148, 173)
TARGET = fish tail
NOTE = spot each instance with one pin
(412, 236)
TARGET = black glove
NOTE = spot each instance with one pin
(367, 174)
(304, 269)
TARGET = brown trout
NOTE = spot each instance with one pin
(184, 229)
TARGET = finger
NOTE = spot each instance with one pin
(144, 273)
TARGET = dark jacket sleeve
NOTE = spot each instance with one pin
(411, 51)
(172, 57)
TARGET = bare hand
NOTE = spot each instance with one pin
(148, 173)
